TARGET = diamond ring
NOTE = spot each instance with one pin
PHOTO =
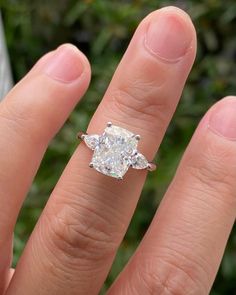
(114, 151)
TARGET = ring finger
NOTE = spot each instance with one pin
(88, 213)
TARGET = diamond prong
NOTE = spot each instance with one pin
(81, 135)
(109, 124)
(151, 166)
(91, 165)
(137, 136)
(119, 178)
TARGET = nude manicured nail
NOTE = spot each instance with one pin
(223, 119)
(65, 64)
(169, 36)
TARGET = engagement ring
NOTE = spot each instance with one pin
(115, 150)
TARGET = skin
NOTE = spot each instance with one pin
(77, 236)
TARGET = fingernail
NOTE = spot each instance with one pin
(65, 64)
(169, 37)
(223, 119)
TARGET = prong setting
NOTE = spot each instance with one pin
(81, 135)
(151, 166)
(115, 151)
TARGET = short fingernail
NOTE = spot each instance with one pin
(169, 37)
(65, 65)
(223, 119)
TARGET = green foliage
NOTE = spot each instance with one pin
(102, 29)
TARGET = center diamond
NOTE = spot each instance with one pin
(113, 151)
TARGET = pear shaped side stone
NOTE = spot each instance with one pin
(91, 141)
(138, 161)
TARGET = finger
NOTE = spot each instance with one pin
(7, 278)
(88, 213)
(6, 260)
(182, 250)
(10, 275)
(29, 116)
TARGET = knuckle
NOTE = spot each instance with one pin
(28, 115)
(20, 120)
(170, 279)
(135, 95)
(79, 239)
(214, 169)
(144, 110)
(135, 101)
(81, 232)
(15, 119)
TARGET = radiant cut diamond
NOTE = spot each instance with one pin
(111, 155)
(115, 151)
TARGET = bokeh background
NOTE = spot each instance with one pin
(102, 29)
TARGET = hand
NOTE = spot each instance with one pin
(75, 241)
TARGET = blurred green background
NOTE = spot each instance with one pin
(102, 29)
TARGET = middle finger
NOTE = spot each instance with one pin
(88, 213)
